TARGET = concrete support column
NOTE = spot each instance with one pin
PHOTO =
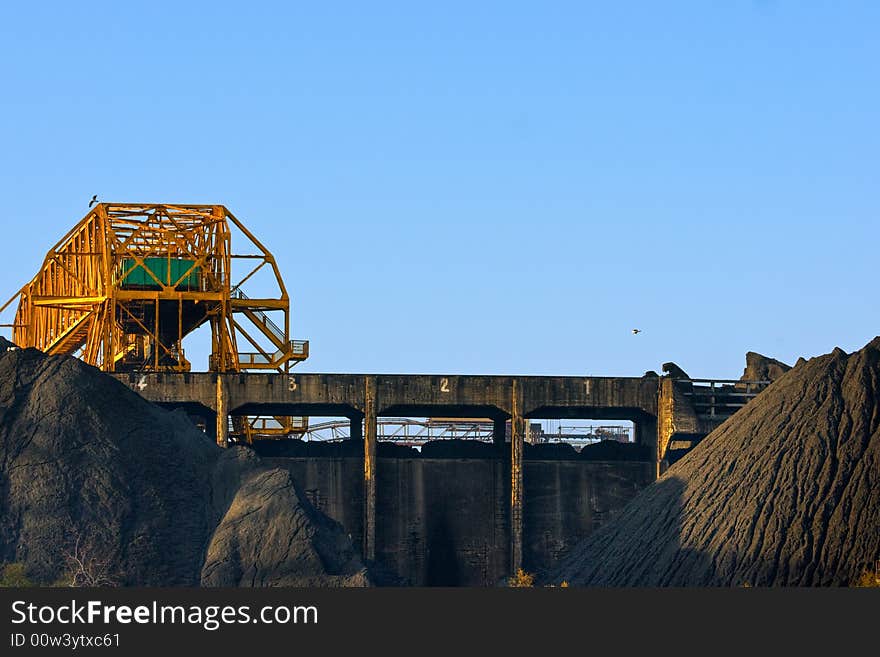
(499, 431)
(370, 437)
(211, 426)
(356, 427)
(648, 434)
(222, 432)
(665, 422)
(517, 436)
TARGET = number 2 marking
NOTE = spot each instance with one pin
(444, 385)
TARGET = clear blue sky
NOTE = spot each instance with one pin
(480, 187)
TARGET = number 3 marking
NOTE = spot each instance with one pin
(291, 383)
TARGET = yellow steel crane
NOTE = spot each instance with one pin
(129, 282)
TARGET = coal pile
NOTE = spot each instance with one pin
(460, 449)
(786, 492)
(763, 368)
(297, 448)
(100, 485)
(550, 451)
(613, 450)
(456, 448)
(270, 536)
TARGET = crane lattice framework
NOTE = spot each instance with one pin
(129, 282)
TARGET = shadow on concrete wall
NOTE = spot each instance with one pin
(642, 548)
(442, 560)
(648, 546)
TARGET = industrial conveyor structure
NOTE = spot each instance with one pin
(129, 282)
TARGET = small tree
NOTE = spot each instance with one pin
(13, 576)
(87, 566)
(870, 578)
(522, 579)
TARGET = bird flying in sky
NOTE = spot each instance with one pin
(94, 200)
(636, 331)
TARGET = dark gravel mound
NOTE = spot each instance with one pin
(90, 470)
(612, 450)
(458, 449)
(607, 450)
(551, 451)
(787, 492)
(762, 368)
(270, 536)
(295, 447)
(289, 447)
(393, 450)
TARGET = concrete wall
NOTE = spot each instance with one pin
(447, 521)
(565, 501)
(412, 395)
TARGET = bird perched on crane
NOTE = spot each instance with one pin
(636, 331)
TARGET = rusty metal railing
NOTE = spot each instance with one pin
(720, 397)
